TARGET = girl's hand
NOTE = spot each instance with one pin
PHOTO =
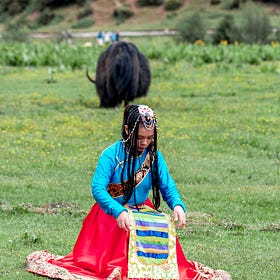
(123, 221)
(179, 216)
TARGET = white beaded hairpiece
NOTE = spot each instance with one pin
(148, 118)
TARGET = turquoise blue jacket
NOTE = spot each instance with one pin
(108, 170)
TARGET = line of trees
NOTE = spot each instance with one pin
(254, 28)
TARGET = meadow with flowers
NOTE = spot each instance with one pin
(219, 121)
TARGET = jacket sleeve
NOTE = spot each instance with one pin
(168, 187)
(101, 178)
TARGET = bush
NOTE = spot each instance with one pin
(231, 4)
(14, 33)
(82, 2)
(42, 4)
(227, 31)
(171, 5)
(57, 19)
(256, 26)
(45, 17)
(149, 2)
(13, 7)
(122, 13)
(83, 23)
(277, 36)
(87, 10)
(215, 2)
(191, 28)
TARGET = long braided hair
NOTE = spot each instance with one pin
(133, 116)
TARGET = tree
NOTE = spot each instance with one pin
(191, 28)
(256, 26)
(227, 31)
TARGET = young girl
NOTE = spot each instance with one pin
(125, 236)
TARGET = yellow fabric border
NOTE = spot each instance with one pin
(167, 269)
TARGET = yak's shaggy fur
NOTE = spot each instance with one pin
(122, 74)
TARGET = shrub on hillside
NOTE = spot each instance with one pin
(171, 5)
(42, 4)
(83, 2)
(45, 17)
(256, 26)
(13, 7)
(122, 13)
(83, 23)
(231, 4)
(191, 28)
(86, 11)
(215, 2)
(149, 2)
(14, 33)
(227, 31)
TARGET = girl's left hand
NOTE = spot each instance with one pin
(179, 216)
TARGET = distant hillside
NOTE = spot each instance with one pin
(54, 15)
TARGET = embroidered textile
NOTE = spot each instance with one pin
(152, 245)
(116, 190)
(105, 254)
(37, 262)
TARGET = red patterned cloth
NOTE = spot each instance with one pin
(101, 252)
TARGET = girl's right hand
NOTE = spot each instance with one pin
(123, 221)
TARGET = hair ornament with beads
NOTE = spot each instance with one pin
(147, 116)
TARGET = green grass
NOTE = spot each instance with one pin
(219, 132)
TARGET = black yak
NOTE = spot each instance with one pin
(122, 74)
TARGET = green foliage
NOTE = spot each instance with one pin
(13, 7)
(77, 56)
(86, 11)
(84, 2)
(215, 2)
(122, 13)
(171, 5)
(15, 33)
(270, 1)
(48, 54)
(83, 23)
(227, 30)
(149, 2)
(256, 26)
(45, 17)
(231, 4)
(42, 4)
(191, 28)
(57, 19)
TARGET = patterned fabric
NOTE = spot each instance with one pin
(37, 262)
(105, 254)
(116, 190)
(152, 245)
(208, 273)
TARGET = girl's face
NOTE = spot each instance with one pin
(145, 137)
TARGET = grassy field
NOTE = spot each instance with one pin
(219, 132)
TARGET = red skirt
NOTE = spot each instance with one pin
(101, 252)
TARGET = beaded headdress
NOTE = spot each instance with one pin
(147, 117)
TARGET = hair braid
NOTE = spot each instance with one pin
(131, 121)
(155, 174)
